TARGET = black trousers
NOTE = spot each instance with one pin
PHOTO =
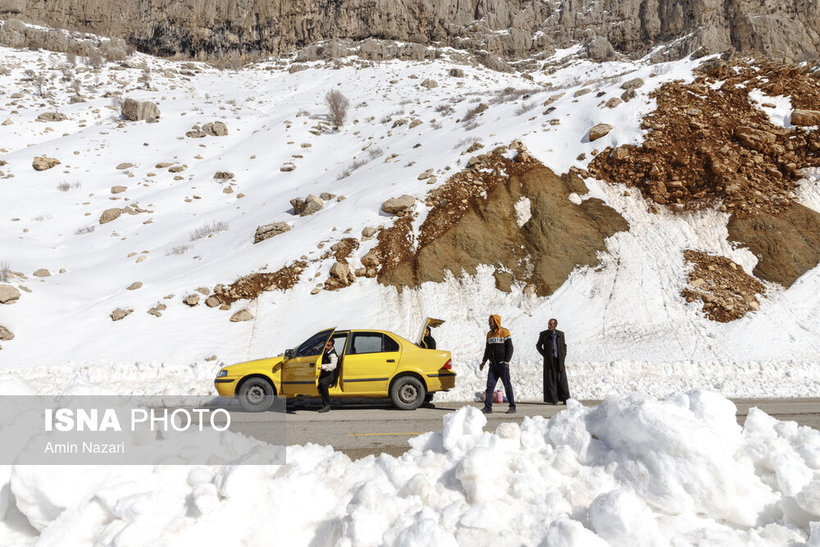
(556, 388)
(496, 373)
(325, 379)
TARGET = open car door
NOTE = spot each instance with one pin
(302, 365)
(428, 323)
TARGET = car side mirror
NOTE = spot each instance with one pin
(289, 353)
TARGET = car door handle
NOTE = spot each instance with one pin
(391, 360)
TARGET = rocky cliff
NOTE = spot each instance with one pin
(783, 30)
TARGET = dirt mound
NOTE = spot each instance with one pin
(786, 245)
(514, 215)
(709, 143)
(727, 292)
(250, 286)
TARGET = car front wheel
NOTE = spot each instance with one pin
(407, 393)
(256, 395)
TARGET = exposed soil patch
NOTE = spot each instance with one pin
(250, 286)
(727, 292)
(709, 143)
(342, 249)
(474, 221)
(787, 245)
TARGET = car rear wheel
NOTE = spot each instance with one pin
(256, 395)
(407, 393)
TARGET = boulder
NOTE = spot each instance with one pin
(5, 334)
(634, 83)
(223, 175)
(42, 272)
(110, 214)
(311, 204)
(372, 259)
(599, 49)
(426, 174)
(8, 294)
(429, 84)
(118, 189)
(341, 272)
(613, 102)
(599, 131)
(135, 111)
(754, 139)
(369, 231)
(805, 117)
(41, 163)
(241, 315)
(124, 165)
(267, 231)
(215, 129)
(51, 117)
(398, 205)
(196, 132)
(119, 313)
(134, 286)
(191, 300)
(213, 301)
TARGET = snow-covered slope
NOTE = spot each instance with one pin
(627, 327)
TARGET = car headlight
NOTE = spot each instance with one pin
(222, 373)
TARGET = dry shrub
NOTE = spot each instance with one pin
(337, 105)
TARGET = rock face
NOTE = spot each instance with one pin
(780, 30)
(465, 229)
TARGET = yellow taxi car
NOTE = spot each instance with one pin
(372, 363)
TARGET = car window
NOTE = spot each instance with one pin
(313, 345)
(367, 343)
(373, 342)
(390, 344)
(339, 343)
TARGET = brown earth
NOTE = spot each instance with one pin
(787, 245)
(464, 228)
(250, 286)
(710, 145)
(727, 292)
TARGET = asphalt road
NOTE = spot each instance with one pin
(360, 430)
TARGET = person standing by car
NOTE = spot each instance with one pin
(329, 362)
(553, 347)
(498, 351)
(427, 341)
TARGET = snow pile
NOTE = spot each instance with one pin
(633, 470)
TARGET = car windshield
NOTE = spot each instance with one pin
(314, 345)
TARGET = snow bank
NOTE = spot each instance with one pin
(632, 470)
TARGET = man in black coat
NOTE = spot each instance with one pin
(552, 346)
